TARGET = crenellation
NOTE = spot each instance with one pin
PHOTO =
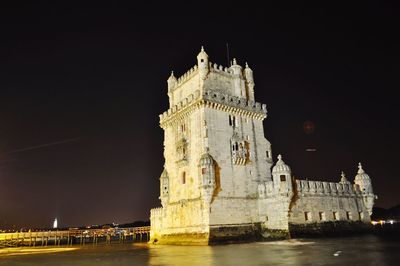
(186, 76)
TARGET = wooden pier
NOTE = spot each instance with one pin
(75, 236)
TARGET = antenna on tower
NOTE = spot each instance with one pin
(227, 54)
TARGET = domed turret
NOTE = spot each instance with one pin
(207, 174)
(281, 175)
(343, 178)
(164, 187)
(248, 74)
(363, 180)
(172, 81)
(236, 69)
(280, 167)
(206, 160)
(202, 62)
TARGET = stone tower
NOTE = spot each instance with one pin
(217, 184)
(215, 155)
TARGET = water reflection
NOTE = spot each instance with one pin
(365, 250)
(181, 255)
(29, 251)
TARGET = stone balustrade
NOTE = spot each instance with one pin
(326, 188)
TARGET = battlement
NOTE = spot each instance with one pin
(156, 212)
(234, 101)
(188, 75)
(219, 101)
(219, 69)
(307, 187)
(213, 67)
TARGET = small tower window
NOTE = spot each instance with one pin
(283, 178)
(335, 216)
(203, 171)
(348, 215)
(201, 60)
(267, 152)
(184, 178)
(307, 216)
(322, 216)
(232, 121)
(361, 215)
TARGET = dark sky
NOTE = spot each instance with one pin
(90, 81)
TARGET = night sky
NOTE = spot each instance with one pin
(81, 88)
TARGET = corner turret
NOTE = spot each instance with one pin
(364, 182)
(281, 176)
(248, 74)
(172, 81)
(202, 62)
(343, 178)
(236, 69)
(207, 175)
(164, 187)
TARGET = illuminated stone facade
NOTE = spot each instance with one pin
(217, 184)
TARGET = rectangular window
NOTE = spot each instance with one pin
(335, 216)
(283, 178)
(307, 216)
(361, 215)
(322, 216)
(267, 154)
(184, 178)
(203, 171)
(348, 215)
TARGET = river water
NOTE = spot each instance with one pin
(356, 250)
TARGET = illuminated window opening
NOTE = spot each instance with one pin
(283, 178)
(335, 216)
(232, 121)
(307, 216)
(203, 171)
(322, 216)
(348, 215)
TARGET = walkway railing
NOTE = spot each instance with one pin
(75, 236)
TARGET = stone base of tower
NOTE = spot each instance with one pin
(329, 228)
(241, 233)
(220, 234)
(197, 239)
